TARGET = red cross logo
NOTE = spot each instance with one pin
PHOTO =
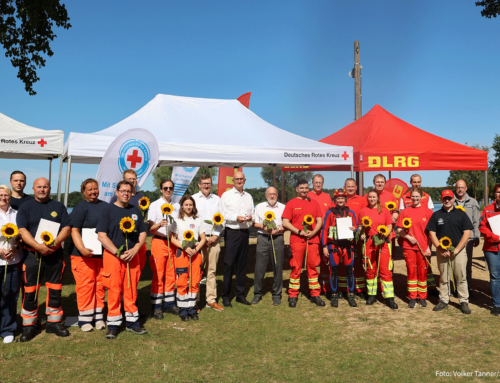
(134, 158)
(42, 142)
(345, 155)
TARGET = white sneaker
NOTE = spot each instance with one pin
(8, 339)
(87, 327)
(100, 325)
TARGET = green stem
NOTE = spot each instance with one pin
(128, 266)
(272, 243)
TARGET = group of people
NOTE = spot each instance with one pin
(350, 238)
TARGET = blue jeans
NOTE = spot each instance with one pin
(493, 260)
(8, 307)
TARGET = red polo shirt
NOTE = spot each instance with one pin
(295, 211)
(356, 203)
(323, 199)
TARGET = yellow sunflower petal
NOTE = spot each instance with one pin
(309, 219)
(407, 223)
(9, 230)
(188, 235)
(127, 225)
(47, 238)
(460, 208)
(144, 203)
(269, 215)
(366, 221)
(218, 218)
(166, 209)
(382, 229)
(445, 242)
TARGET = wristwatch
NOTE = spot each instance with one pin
(298, 233)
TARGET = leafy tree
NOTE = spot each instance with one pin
(258, 194)
(473, 178)
(491, 8)
(495, 164)
(26, 33)
(290, 180)
(164, 172)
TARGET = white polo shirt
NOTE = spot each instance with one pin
(155, 215)
(196, 225)
(236, 204)
(207, 207)
(263, 208)
(9, 217)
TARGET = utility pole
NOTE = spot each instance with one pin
(357, 106)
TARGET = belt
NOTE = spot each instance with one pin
(237, 229)
(159, 237)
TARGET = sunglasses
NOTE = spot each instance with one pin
(168, 188)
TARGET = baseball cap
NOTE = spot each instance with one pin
(447, 193)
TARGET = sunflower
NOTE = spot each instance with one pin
(460, 208)
(167, 209)
(382, 229)
(47, 238)
(218, 218)
(270, 215)
(390, 205)
(9, 230)
(366, 221)
(127, 225)
(188, 235)
(407, 223)
(445, 243)
(144, 203)
(308, 219)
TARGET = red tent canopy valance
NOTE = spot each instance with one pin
(382, 141)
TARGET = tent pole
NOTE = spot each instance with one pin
(274, 176)
(66, 190)
(486, 199)
(50, 170)
(60, 178)
(282, 186)
(352, 171)
(361, 186)
(390, 175)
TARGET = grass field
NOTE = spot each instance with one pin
(262, 343)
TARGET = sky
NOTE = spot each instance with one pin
(432, 64)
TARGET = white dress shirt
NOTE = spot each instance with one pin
(196, 225)
(10, 217)
(263, 208)
(207, 207)
(155, 215)
(236, 204)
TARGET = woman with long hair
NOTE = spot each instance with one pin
(189, 237)
(377, 225)
(415, 242)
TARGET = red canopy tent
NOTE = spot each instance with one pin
(382, 141)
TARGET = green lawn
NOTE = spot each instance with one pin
(263, 343)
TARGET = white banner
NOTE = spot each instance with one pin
(182, 177)
(135, 149)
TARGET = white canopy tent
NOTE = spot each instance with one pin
(207, 132)
(20, 141)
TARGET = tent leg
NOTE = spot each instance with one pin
(282, 186)
(352, 171)
(361, 186)
(390, 175)
(274, 176)
(60, 178)
(66, 190)
(486, 199)
(50, 170)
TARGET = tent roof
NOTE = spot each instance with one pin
(209, 132)
(21, 141)
(383, 141)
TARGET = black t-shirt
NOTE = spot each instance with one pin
(449, 224)
(16, 202)
(31, 212)
(109, 223)
(85, 215)
(134, 200)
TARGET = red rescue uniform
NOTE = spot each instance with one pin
(376, 253)
(416, 264)
(295, 211)
(355, 203)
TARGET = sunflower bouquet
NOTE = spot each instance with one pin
(307, 225)
(144, 203)
(270, 224)
(127, 225)
(9, 230)
(48, 240)
(167, 210)
(446, 244)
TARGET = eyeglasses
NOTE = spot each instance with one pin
(130, 179)
(239, 179)
(206, 184)
(124, 191)
(168, 188)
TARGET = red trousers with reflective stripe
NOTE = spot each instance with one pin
(372, 252)
(89, 287)
(115, 280)
(162, 262)
(298, 253)
(416, 269)
(51, 268)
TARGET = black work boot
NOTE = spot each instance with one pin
(318, 301)
(292, 302)
(351, 299)
(371, 300)
(390, 303)
(335, 301)
(28, 334)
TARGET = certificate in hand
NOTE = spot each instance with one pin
(46, 225)
(343, 225)
(90, 241)
(495, 224)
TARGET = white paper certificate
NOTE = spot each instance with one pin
(46, 225)
(495, 224)
(343, 225)
(90, 241)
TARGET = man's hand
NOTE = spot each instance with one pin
(428, 252)
(44, 249)
(363, 237)
(411, 239)
(128, 255)
(241, 219)
(211, 240)
(306, 233)
(475, 243)
(325, 252)
(87, 253)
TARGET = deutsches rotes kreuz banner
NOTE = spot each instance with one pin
(135, 149)
(182, 177)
